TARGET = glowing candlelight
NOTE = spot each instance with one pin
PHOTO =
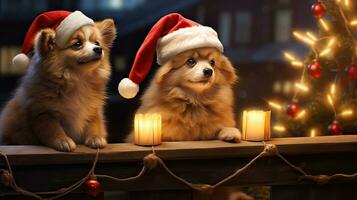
(147, 129)
(256, 125)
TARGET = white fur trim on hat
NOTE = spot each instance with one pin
(21, 60)
(69, 25)
(185, 39)
(127, 88)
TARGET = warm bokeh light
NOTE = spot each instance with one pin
(346, 113)
(324, 24)
(303, 38)
(302, 87)
(275, 105)
(279, 128)
(301, 114)
(333, 89)
(313, 132)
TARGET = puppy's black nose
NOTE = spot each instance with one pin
(207, 72)
(98, 50)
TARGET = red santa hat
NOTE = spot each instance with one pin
(64, 22)
(170, 36)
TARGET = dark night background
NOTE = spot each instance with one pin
(253, 32)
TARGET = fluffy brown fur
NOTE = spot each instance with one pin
(59, 101)
(193, 106)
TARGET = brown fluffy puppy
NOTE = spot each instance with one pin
(60, 99)
(194, 96)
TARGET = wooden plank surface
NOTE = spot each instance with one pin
(124, 152)
(42, 169)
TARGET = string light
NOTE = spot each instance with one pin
(304, 39)
(302, 87)
(289, 56)
(325, 52)
(333, 89)
(313, 132)
(346, 113)
(311, 36)
(353, 23)
(301, 114)
(329, 98)
(275, 105)
(279, 128)
(347, 3)
(297, 63)
(331, 42)
(324, 24)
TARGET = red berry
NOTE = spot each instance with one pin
(315, 69)
(318, 10)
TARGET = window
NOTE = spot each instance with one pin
(243, 27)
(282, 28)
(6, 55)
(110, 4)
(225, 20)
(21, 6)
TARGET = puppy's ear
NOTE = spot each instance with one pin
(228, 70)
(108, 30)
(45, 41)
(162, 72)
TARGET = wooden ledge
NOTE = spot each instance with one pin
(124, 152)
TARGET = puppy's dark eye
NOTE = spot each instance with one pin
(212, 62)
(77, 45)
(191, 62)
(96, 43)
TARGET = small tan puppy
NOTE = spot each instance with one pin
(60, 99)
(193, 93)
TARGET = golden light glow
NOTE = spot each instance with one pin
(302, 87)
(325, 52)
(297, 63)
(303, 38)
(333, 89)
(279, 128)
(275, 105)
(346, 113)
(313, 132)
(289, 56)
(353, 23)
(324, 24)
(347, 3)
(301, 114)
(331, 42)
(329, 98)
(311, 36)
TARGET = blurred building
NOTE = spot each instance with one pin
(253, 32)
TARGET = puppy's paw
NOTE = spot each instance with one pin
(95, 142)
(45, 41)
(230, 134)
(64, 144)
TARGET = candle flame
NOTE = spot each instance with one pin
(302, 87)
(279, 128)
(303, 38)
(275, 105)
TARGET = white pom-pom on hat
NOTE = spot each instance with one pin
(21, 60)
(127, 88)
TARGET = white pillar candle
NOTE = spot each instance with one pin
(256, 125)
(147, 129)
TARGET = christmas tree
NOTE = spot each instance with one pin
(325, 97)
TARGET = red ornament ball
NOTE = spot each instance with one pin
(93, 187)
(318, 10)
(352, 72)
(315, 69)
(335, 128)
(292, 109)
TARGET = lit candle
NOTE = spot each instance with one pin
(256, 125)
(147, 129)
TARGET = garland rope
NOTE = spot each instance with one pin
(151, 161)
